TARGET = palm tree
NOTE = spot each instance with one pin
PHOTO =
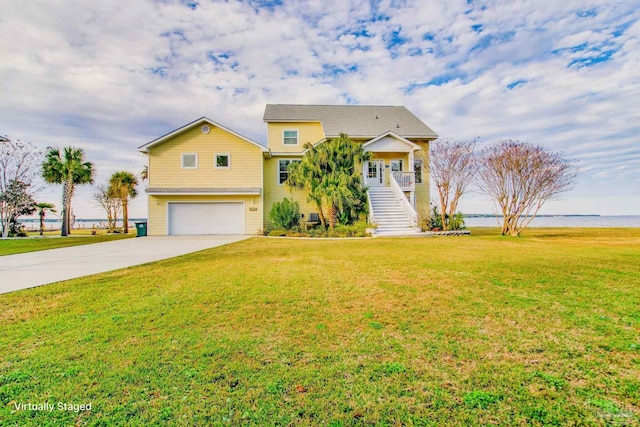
(331, 175)
(123, 184)
(68, 168)
(144, 175)
(42, 208)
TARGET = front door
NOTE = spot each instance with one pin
(374, 171)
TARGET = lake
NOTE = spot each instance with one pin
(564, 221)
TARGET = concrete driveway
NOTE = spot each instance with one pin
(22, 271)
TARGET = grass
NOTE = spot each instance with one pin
(31, 244)
(538, 330)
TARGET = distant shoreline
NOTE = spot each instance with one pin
(540, 216)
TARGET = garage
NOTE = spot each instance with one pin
(206, 218)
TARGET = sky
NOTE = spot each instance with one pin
(110, 76)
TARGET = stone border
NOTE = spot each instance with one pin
(452, 233)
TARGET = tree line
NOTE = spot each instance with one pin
(21, 165)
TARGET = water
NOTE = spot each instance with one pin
(55, 224)
(474, 221)
(563, 221)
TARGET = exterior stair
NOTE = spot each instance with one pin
(389, 215)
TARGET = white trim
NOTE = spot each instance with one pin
(380, 169)
(278, 169)
(168, 202)
(202, 120)
(297, 137)
(411, 145)
(235, 193)
(215, 161)
(283, 154)
(182, 160)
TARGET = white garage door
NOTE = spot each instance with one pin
(206, 218)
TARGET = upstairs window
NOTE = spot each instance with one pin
(417, 166)
(189, 161)
(283, 169)
(222, 161)
(290, 137)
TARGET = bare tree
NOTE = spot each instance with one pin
(453, 167)
(106, 197)
(521, 177)
(19, 162)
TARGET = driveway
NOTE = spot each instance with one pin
(22, 271)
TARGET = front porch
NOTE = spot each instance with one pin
(390, 174)
(392, 163)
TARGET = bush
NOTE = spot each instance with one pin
(434, 221)
(358, 229)
(285, 214)
(16, 229)
(457, 222)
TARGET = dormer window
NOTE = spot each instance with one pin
(290, 137)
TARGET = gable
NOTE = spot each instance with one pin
(390, 142)
(199, 123)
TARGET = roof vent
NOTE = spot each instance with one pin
(377, 117)
(397, 126)
(205, 129)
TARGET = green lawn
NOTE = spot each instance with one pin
(31, 244)
(481, 330)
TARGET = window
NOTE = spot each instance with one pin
(417, 166)
(189, 161)
(283, 169)
(290, 137)
(222, 161)
(396, 165)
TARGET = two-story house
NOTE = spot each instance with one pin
(205, 178)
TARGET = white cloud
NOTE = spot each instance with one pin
(109, 77)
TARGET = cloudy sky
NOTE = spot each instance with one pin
(109, 76)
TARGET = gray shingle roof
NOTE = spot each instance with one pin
(354, 120)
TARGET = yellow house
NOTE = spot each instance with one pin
(205, 178)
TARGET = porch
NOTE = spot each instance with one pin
(390, 174)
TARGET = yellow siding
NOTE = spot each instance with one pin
(274, 192)
(423, 196)
(158, 211)
(307, 132)
(165, 167)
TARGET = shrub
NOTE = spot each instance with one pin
(285, 214)
(434, 221)
(457, 222)
(357, 229)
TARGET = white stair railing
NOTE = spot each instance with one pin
(406, 180)
(372, 216)
(404, 202)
